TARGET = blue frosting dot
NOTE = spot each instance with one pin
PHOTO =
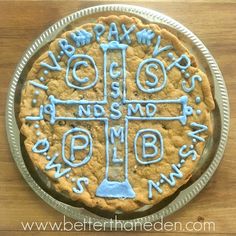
(61, 53)
(198, 112)
(36, 126)
(34, 101)
(41, 79)
(194, 140)
(179, 165)
(48, 157)
(161, 181)
(170, 55)
(37, 133)
(45, 72)
(191, 146)
(36, 92)
(187, 75)
(182, 71)
(197, 100)
(182, 161)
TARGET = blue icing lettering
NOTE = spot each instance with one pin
(41, 146)
(74, 71)
(73, 147)
(200, 128)
(192, 85)
(81, 37)
(99, 110)
(99, 30)
(153, 76)
(115, 90)
(117, 132)
(79, 189)
(179, 63)
(150, 106)
(145, 36)
(55, 66)
(115, 158)
(152, 185)
(155, 144)
(113, 32)
(149, 145)
(75, 66)
(114, 75)
(126, 32)
(183, 154)
(158, 64)
(158, 50)
(132, 110)
(41, 86)
(82, 111)
(172, 176)
(68, 49)
(116, 113)
(50, 165)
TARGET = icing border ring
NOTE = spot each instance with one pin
(221, 97)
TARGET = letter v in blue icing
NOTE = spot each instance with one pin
(55, 66)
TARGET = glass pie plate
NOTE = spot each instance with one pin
(214, 148)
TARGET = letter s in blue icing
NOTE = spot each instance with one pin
(153, 76)
(183, 154)
(192, 85)
(116, 113)
(115, 90)
(155, 63)
(80, 187)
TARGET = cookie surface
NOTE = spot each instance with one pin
(116, 113)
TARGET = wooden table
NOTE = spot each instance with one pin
(212, 21)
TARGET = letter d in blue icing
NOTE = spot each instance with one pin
(98, 111)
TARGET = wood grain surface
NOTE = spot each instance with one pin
(212, 21)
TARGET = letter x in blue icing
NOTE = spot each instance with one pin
(116, 142)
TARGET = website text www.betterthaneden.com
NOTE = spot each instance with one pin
(116, 225)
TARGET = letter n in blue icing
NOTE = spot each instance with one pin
(79, 139)
(152, 146)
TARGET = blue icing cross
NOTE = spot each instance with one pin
(116, 136)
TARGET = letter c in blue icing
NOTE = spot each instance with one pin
(113, 74)
(154, 63)
(75, 62)
(85, 137)
(153, 140)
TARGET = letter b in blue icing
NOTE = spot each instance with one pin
(79, 140)
(151, 145)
